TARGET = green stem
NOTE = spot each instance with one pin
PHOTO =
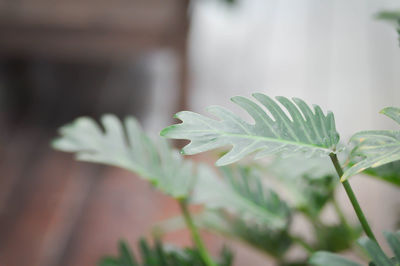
(353, 199)
(195, 234)
(300, 241)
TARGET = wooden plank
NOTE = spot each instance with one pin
(48, 213)
(26, 229)
(121, 206)
(16, 155)
(17, 182)
(129, 15)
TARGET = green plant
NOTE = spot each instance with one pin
(237, 202)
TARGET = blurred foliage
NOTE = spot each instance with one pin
(273, 242)
(337, 237)
(160, 255)
(230, 1)
(391, 16)
(310, 182)
(370, 247)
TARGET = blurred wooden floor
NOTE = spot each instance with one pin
(56, 211)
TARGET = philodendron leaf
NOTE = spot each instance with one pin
(126, 145)
(376, 147)
(304, 130)
(241, 195)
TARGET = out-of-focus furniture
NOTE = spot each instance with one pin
(95, 31)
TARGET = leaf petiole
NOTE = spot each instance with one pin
(353, 199)
(195, 234)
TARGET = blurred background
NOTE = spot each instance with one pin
(64, 59)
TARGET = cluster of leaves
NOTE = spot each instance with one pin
(307, 131)
(241, 206)
(161, 255)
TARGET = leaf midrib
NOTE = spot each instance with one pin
(263, 138)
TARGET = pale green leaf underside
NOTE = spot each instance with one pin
(376, 147)
(125, 145)
(374, 252)
(371, 248)
(303, 130)
(310, 184)
(323, 258)
(255, 206)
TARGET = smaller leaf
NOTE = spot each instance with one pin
(127, 146)
(375, 147)
(392, 112)
(323, 258)
(389, 172)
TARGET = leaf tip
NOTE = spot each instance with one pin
(55, 143)
(235, 99)
(164, 132)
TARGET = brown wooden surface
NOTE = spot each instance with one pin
(56, 211)
(91, 28)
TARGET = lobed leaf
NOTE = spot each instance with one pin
(125, 145)
(304, 130)
(375, 147)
